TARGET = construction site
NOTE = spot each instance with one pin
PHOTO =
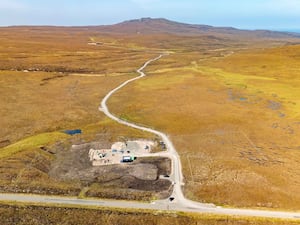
(131, 169)
(121, 152)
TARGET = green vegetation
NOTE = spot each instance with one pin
(32, 143)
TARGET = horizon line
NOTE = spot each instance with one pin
(285, 30)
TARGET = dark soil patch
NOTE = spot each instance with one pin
(112, 181)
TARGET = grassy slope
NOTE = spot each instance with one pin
(204, 105)
(37, 105)
(32, 143)
(49, 99)
(223, 122)
(271, 72)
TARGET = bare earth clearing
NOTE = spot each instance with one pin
(141, 176)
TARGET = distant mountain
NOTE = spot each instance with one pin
(160, 26)
(164, 26)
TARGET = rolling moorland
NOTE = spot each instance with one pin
(239, 152)
(227, 98)
(39, 214)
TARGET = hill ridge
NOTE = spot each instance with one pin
(148, 25)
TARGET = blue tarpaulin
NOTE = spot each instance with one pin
(73, 132)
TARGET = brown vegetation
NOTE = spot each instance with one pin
(232, 129)
(231, 107)
(54, 82)
(33, 214)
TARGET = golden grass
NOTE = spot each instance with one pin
(234, 120)
(49, 214)
(51, 82)
(278, 67)
(231, 129)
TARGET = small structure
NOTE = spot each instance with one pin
(127, 159)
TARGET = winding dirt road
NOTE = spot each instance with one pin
(171, 151)
(180, 203)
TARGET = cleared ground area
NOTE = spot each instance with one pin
(139, 179)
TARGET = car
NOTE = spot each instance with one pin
(166, 175)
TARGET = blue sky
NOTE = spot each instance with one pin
(250, 14)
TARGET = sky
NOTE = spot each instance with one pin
(246, 14)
